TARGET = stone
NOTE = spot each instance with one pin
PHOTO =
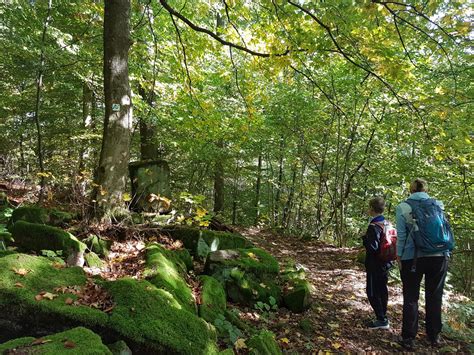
(150, 178)
(263, 343)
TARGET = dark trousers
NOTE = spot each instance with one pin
(434, 269)
(377, 292)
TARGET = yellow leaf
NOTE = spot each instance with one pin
(285, 340)
(252, 255)
(49, 295)
(200, 212)
(126, 197)
(336, 345)
(240, 344)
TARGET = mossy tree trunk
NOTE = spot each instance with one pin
(219, 180)
(112, 172)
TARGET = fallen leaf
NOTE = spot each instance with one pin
(336, 345)
(69, 344)
(240, 344)
(19, 284)
(40, 341)
(21, 271)
(49, 295)
(285, 340)
(69, 301)
(38, 297)
(333, 325)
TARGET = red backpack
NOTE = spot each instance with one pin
(388, 241)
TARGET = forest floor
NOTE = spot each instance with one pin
(335, 321)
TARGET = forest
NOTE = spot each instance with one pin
(194, 177)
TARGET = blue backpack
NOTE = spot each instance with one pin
(434, 233)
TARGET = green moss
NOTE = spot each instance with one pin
(263, 343)
(185, 257)
(37, 237)
(254, 260)
(213, 299)
(93, 260)
(143, 314)
(80, 340)
(227, 352)
(214, 239)
(247, 288)
(98, 245)
(306, 326)
(164, 269)
(40, 215)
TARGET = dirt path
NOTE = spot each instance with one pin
(335, 322)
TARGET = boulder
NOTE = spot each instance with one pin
(98, 245)
(147, 318)
(93, 260)
(76, 341)
(213, 300)
(41, 216)
(120, 348)
(165, 270)
(37, 237)
(297, 295)
(249, 275)
(263, 343)
(213, 239)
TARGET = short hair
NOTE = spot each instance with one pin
(377, 204)
(419, 185)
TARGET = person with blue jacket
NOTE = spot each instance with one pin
(377, 270)
(414, 264)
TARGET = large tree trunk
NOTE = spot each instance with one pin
(149, 149)
(112, 172)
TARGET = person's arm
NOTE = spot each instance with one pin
(372, 239)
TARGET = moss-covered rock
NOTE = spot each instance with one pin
(215, 240)
(93, 260)
(149, 319)
(249, 275)
(37, 237)
(297, 295)
(98, 245)
(213, 299)
(77, 341)
(185, 257)
(254, 260)
(120, 348)
(164, 269)
(40, 215)
(263, 343)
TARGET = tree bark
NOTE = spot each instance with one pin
(112, 172)
(258, 188)
(39, 86)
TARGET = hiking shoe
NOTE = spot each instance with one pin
(378, 324)
(408, 344)
(437, 342)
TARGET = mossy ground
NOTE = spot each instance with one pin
(144, 315)
(77, 341)
(40, 215)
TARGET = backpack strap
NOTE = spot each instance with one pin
(412, 203)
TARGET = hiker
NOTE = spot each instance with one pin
(377, 269)
(424, 242)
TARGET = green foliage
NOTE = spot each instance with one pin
(76, 341)
(263, 343)
(227, 330)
